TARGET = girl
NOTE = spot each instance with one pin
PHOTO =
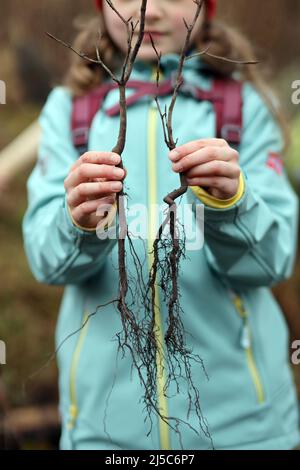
(250, 218)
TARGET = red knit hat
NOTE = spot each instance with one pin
(211, 6)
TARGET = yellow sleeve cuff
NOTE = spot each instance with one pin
(216, 203)
(104, 224)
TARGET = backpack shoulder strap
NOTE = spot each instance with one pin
(226, 96)
(83, 112)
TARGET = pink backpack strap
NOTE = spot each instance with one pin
(143, 89)
(226, 96)
(83, 112)
(86, 107)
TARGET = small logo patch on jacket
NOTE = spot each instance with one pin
(274, 161)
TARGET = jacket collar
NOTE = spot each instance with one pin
(169, 64)
(195, 72)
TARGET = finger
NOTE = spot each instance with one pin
(202, 156)
(88, 171)
(214, 168)
(95, 180)
(86, 208)
(107, 203)
(226, 185)
(107, 158)
(193, 146)
(111, 199)
(106, 206)
(85, 191)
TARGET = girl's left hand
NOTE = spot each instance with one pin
(209, 163)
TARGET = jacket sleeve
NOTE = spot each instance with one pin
(252, 242)
(57, 250)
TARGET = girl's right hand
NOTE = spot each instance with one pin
(92, 183)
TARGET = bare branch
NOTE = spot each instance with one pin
(190, 28)
(139, 39)
(110, 3)
(130, 31)
(224, 59)
(163, 117)
(138, 336)
(167, 256)
(84, 56)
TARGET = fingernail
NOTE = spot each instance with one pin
(118, 172)
(178, 168)
(116, 186)
(174, 155)
(115, 158)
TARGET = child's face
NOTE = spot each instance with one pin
(162, 16)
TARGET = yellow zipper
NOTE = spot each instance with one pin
(246, 343)
(73, 410)
(152, 225)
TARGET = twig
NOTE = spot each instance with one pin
(224, 59)
(178, 355)
(82, 55)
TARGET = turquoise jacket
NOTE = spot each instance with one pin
(235, 324)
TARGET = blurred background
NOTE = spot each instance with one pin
(30, 64)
